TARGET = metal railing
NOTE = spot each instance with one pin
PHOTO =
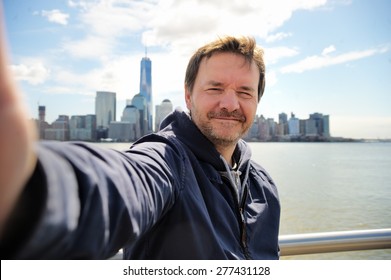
(340, 241)
(328, 242)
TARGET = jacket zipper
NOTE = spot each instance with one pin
(240, 207)
(243, 225)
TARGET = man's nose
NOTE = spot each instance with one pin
(229, 100)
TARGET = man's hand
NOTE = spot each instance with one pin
(17, 135)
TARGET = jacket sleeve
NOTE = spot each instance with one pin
(86, 202)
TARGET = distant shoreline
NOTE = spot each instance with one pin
(323, 140)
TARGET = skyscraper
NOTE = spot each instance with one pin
(41, 122)
(82, 127)
(41, 113)
(105, 108)
(146, 87)
(322, 124)
(294, 126)
(161, 111)
(140, 103)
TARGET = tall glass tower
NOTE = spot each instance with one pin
(105, 108)
(146, 87)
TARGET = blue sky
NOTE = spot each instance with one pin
(331, 57)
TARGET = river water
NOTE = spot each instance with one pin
(328, 187)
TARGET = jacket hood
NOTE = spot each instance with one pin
(189, 134)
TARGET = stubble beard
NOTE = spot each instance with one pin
(216, 135)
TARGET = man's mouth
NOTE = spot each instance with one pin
(223, 115)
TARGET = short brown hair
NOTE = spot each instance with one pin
(245, 46)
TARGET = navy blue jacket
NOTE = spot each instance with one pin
(171, 196)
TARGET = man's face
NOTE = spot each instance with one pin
(224, 98)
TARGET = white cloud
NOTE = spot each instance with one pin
(119, 75)
(113, 17)
(277, 37)
(177, 26)
(34, 73)
(61, 90)
(317, 62)
(56, 16)
(168, 77)
(175, 22)
(91, 47)
(181, 25)
(273, 55)
(328, 50)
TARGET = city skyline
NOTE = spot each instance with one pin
(101, 126)
(321, 56)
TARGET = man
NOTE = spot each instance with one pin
(189, 191)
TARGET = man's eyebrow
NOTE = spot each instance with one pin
(214, 83)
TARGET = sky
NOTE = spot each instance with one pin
(331, 57)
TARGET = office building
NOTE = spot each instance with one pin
(321, 123)
(59, 130)
(105, 108)
(162, 111)
(128, 129)
(82, 128)
(146, 88)
(42, 125)
(294, 126)
(140, 103)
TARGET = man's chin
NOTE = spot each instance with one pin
(225, 139)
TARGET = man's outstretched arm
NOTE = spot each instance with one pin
(76, 200)
(17, 136)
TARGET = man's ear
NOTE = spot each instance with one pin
(187, 97)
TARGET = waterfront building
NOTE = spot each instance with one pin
(132, 115)
(253, 133)
(82, 128)
(105, 108)
(302, 126)
(272, 125)
(121, 132)
(42, 125)
(293, 126)
(162, 111)
(140, 103)
(59, 130)
(128, 129)
(264, 131)
(321, 124)
(316, 128)
(326, 126)
(311, 129)
(282, 128)
(282, 118)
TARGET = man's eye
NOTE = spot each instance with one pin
(245, 94)
(215, 89)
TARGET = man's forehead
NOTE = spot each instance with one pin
(223, 57)
(223, 66)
